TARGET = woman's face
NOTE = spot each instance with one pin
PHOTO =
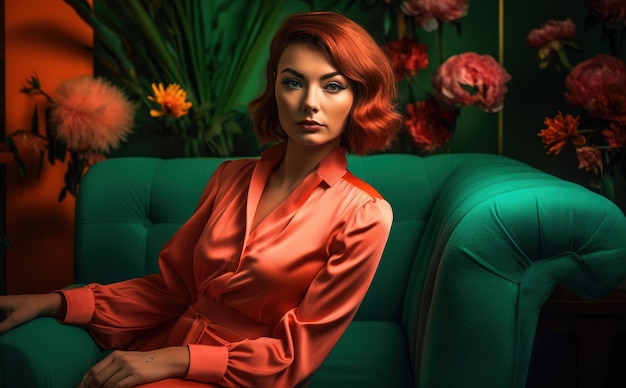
(313, 98)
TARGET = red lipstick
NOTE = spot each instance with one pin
(310, 125)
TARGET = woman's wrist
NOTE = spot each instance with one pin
(53, 305)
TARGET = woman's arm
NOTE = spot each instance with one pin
(122, 314)
(19, 309)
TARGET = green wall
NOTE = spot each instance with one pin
(533, 93)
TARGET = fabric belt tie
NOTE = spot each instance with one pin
(210, 322)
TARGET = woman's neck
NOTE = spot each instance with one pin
(300, 161)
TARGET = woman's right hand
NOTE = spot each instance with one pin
(19, 309)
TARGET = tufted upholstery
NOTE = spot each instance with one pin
(478, 244)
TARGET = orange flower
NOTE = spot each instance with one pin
(172, 100)
(559, 130)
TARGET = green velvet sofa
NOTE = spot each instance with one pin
(478, 244)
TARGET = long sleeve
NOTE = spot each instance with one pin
(122, 313)
(306, 334)
(257, 306)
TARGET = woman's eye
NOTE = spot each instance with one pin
(291, 83)
(334, 87)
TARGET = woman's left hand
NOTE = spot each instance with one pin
(122, 369)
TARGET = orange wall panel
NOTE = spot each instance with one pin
(45, 37)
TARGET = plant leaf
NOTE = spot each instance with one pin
(34, 122)
(21, 166)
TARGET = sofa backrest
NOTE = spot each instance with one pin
(127, 208)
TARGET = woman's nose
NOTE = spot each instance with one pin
(310, 101)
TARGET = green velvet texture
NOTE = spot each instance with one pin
(44, 353)
(477, 245)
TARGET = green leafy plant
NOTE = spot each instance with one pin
(191, 43)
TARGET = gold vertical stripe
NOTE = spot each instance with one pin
(501, 59)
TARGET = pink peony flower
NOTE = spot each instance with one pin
(551, 30)
(594, 77)
(590, 159)
(429, 12)
(470, 78)
(408, 56)
(90, 114)
(612, 12)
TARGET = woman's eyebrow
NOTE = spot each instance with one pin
(300, 75)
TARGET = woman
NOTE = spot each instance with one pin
(256, 288)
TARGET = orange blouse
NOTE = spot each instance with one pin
(256, 307)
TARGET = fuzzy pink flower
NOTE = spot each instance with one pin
(90, 114)
(550, 31)
(612, 12)
(470, 78)
(408, 56)
(592, 78)
(429, 13)
(590, 159)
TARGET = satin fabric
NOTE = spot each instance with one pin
(258, 307)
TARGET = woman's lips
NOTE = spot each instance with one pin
(310, 125)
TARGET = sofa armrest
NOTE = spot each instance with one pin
(45, 353)
(505, 235)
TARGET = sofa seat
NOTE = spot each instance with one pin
(478, 244)
(370, 354)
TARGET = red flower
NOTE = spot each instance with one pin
(408, 56)
(592, 78)
(616, 136)
(610, 104)
(551, 30)
(612, 12)
(429, 12)
(559, 130)
(470, 78)
(590, 159)
(429, 124)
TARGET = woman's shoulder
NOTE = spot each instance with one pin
(237, 165)
(361, 185)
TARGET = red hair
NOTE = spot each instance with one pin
(373, 123)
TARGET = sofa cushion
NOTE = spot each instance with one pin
(370, 354)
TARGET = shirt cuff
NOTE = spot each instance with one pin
(207, 363)
(80, 305)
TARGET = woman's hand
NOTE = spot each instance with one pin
(19, 309)
(122, 369)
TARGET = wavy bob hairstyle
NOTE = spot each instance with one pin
(373, 122)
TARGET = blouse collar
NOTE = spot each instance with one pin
(330, 169)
